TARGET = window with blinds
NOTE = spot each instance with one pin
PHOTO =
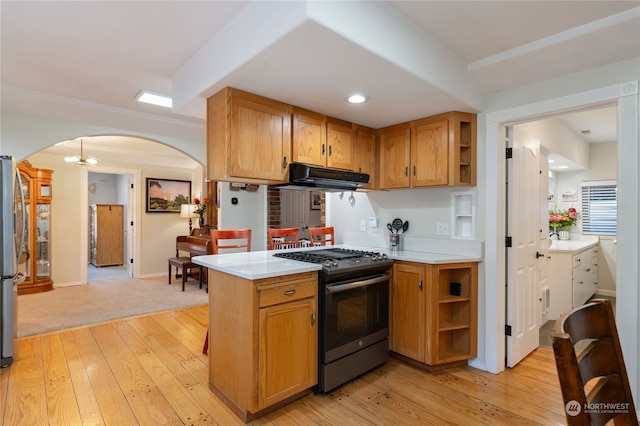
(599, 208)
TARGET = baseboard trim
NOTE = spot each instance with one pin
(608, 293)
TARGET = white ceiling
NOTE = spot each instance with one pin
(86, 61)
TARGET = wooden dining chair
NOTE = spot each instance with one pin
(593, 377)
(321, 236)
(283, 238)
(227, 239)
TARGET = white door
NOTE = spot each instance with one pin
(295, 209)
(129, 228)
(543, 258)
(523, 226)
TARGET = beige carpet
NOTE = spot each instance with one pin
(100, 301)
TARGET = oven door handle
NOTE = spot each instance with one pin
(356, 284)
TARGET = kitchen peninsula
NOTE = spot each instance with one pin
(264, 326)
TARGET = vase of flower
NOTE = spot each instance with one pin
(200, 209)
(560, 221)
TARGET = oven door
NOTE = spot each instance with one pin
(354, 315)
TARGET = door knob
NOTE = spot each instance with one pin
(538, 255)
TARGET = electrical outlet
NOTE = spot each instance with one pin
(442, 228)
(363, 225)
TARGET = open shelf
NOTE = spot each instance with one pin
(454, 345)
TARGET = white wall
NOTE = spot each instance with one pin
(422, 208)
(556, 137)
(249, 212)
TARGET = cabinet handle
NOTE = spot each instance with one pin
(414, 170)
(313, 318)
(322, 149)
(284, 163)
(420, 285)
(330, 150)
(406, 171)
(290, 292)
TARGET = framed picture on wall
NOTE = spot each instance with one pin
(167, 195)
(316, 200)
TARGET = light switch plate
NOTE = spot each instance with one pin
(363, 225)
(373, 223)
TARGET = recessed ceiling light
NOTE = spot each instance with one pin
(552, 161)
(357, 99)
(154, 98)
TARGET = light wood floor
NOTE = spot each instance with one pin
(149, 370)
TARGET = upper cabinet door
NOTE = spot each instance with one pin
(309, 138)
(394, 151)
(430, 154)
(340, 144)
(366, 154)
(261, 140)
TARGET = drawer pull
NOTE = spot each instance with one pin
(313, 319)
(290, 292)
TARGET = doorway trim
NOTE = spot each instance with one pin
(626, 97)
(136, 175)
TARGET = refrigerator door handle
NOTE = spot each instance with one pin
(23, 219)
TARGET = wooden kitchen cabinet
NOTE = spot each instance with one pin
(433, 151)
(263, 336)
(248, 138)
(429, 153)
(394, 152)
(322, 141)
(309, 137)
(35, 261)
(106, 235)
(429, 324)
(341, 144)
(365, 160)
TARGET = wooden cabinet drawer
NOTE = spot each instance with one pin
(287, 293)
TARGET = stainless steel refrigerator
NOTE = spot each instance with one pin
(12, 232)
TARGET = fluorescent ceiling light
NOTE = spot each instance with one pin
(154, 98)
(357, 99)
(563, 167)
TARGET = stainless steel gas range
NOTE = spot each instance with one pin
(353, 312)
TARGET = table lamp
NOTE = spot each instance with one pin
(188, 210)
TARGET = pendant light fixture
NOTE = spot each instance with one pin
(81, 160)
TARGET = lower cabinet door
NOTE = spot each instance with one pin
(408, 311)
(288, 350)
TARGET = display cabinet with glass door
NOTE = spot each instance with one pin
(35, 262)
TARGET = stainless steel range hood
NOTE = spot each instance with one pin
(312, 178)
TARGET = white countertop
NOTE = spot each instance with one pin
(262, 264)
(573, 245)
